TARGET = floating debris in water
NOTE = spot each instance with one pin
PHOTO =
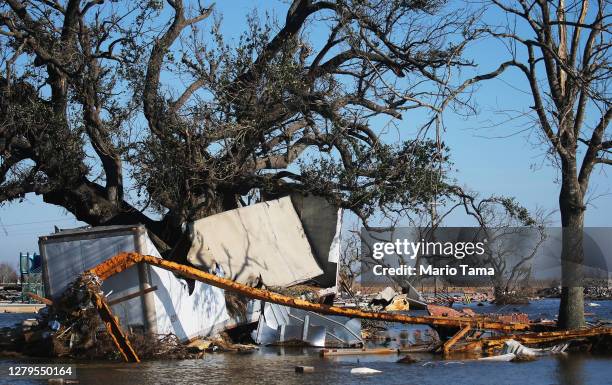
(304, 369)
(364, 371)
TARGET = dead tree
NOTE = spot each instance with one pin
(8, 274)
(350, 263)
(97, 93)
(513, 237)
(562, 50)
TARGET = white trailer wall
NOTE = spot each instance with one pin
(68, 256)
(187, 316)
(201, 313)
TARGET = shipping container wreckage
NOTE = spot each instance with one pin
(143, 288)
(288, 244)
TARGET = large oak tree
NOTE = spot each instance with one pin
(117, 110)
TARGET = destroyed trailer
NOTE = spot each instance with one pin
(275, 244)
(280, 243)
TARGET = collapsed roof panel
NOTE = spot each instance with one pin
(264, 240)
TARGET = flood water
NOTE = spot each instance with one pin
(276, 365)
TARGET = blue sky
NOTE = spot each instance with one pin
(487, 160)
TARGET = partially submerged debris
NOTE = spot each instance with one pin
(516, 352)
(500, 358)
(444, 311)
(490, 344)
(124, 261)
(407, 359)
(364, 371)
(304, 369)
(356, 352)
(512, 346)
(144, 297)
(515, 347)
(283, 325)
(74, 320)
(71, 329)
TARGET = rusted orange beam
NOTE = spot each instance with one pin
(449, 344)
(491, 343)
(113, 327)
(123, 261)
(40, 299)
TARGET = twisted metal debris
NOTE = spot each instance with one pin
(123, 261)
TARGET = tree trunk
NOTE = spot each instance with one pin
(498, 291)
(90, 203)
(571, 308)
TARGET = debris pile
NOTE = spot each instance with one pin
(70, 328)
(443, 311)
(10, 293)
(305, 292)
(601, 292)
(165, 309)
(390, 300)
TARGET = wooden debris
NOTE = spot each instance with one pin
(354, 352)
(111, 323)
(40, 299)
(449, 344)
(496, 342)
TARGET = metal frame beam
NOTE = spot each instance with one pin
(123, 261)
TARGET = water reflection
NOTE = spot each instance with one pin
(570, 369)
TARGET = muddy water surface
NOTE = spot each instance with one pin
(276, 365)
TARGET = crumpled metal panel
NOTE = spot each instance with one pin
(280, 324)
